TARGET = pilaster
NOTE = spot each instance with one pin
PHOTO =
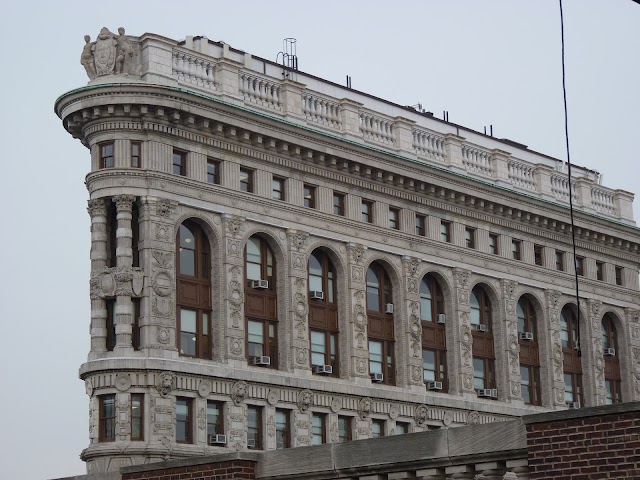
(631, 351)
(159, 260)
(404, 135)
(542, 179)
(453, 151)
(124, 275)
(226, 78)
(234, 284)
(462, 333)
(509, 333)
(349, 109)
(553, 346)
(412, 331)
(501, 166)
(291, 97)
(593, 377)
(97, 209)
(359, 351)
(623, 204)
(299, 307)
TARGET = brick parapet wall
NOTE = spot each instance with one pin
(591, 443)
(235, 466)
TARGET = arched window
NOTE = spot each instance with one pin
(323, 314)
(434, 348)
(261, 304)
(484, 372)
(612, 378)
(569, 337)
(380, 323)
(193, 265)
(529, 355)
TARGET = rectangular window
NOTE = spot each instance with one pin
(137, 416)
(135, 334)
(111, 324)
(483, 373)
(283, 429)
(246, 180)
(107, 427)
(324, 349)
(136, 154)
(377, 428)
(213, 172)
(470, 237)
(338, 204)
(254, 427)
(516, 249)
(559, 261)
(619, 279)
(402, 428)
(309, 196)
(215, 420)
(194, 333)
(106, 155)
(179, 163)
(381, 360)
(580, 266)
(344, 429)
(573, 389)
(493, 244)
(277, 188)
(612, 388)
(445, 231)
(421, 225)
(367, 211)
(530, 384)
(318, 436)
(434, 365)
(600, 271)
(538, 251)
(184, 432)
(394, 218)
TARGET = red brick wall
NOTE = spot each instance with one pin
(598, 447)
(231, 470)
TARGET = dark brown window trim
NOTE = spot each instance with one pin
(394, 218)
(137, 398)
(246, 186)
(278, 193)
(106, 155)
(309, 194)
(213, 178)
(179, 162)
(338, 204)
(188, 422)
(106, 424)
(136, 154)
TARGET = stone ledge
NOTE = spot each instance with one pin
(581, 413)
(191, 461)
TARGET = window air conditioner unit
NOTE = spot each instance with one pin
(251, 443)
(259, 284)
(377, 377)
(488, 393)
(323, 369)
(526, 336)
(481, 328)
(609, 352)
(316, 295)
(388, 308)
(217, 439)
(573, 405)
(434, 385)
(441, 318)
(262, 360)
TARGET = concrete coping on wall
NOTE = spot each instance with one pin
(581, 413)
(191, 461)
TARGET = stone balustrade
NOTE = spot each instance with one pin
(238, 77)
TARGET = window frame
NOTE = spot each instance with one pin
(599, 271)
(259, 440)
(139, 417)
(338, 209)
(381, 423)
(494, 248)
(619, 275)
(394, 218)
(102, 156)
(534, 386)
(367, 217)
(445, 231)
(538, 255)
(579, 266)
(309, 195)
(421, 225)
(322, 417)
(104, 420)
(182, 166)
(559, 258)
(406, 426)
(111, 339)
(516, 249)
(189, 437)
(213, 178)
(280, 192)
(138, 156)
(470, 237)
(284, 432)
(218, 425)
(348, 423)
(247, 186)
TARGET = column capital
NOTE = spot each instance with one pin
(96, 207)
(124, 202)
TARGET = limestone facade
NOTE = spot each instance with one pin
(210, 104)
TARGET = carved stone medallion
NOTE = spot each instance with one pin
(336, 404)
(394, 411)
(204, 389)
(473, 418)
(123, 382)
(273, 396)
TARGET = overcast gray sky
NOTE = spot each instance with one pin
(486, 62)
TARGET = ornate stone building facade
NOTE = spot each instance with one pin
(280, 261)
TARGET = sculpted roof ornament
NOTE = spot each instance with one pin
(110, 54)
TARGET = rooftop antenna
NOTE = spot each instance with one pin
(289, 58)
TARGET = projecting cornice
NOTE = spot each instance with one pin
(180, 113)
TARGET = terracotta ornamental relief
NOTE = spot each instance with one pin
(110, 54)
